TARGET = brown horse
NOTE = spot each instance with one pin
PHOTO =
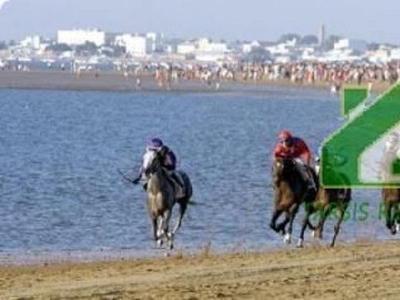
(290, 191)
(326, 202)
(391, 200)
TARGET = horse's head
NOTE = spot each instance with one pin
(151, 163)
(282, 168)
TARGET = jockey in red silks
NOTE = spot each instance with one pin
(295, 148)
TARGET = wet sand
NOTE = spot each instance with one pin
(356, 271)
(116, 81)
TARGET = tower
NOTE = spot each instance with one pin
(321, 36)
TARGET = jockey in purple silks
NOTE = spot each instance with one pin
(168, 160)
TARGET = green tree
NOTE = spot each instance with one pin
(309, 40)
(58, 48)
(89, 48)
(330, 41)
(289, 37)
(257, 55)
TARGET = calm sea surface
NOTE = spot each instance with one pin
(60, 191)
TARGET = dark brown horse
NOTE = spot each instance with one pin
(391, 200)
(326, 202)
(290, 191)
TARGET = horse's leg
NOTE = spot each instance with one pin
(156, 235)
(396, 217)
(320, 227)
(306, 221)
(275, 215)
(389, 221)
(292, 214)
(282, 226)
(182, 209)
(343, 209)
(310, 225)
(168, 235)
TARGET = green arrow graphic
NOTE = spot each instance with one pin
(340, 159)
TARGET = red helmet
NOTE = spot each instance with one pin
(285, 135)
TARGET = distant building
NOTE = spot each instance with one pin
(31, 42)
(351, 44)
(382, 55)
(204, 50)
(247, 47)
(205, 45)
(395, 54)
(186, 48)
(80, 37)
(156, 40)
(135, 45)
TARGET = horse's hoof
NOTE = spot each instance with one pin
(288, 238)
(300, 243)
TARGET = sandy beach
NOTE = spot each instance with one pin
(356, 271)
(117, 81)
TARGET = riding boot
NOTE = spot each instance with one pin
(180, 184)
(307, 177)
(311, 183)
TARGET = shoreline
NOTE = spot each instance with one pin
(117, 81)
(350, 271)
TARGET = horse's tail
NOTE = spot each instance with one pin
(188, 188)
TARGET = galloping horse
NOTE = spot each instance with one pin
(391, 200)
(326, 201)
(290, 191)
(161, 198)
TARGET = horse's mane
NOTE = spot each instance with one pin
(286, 163)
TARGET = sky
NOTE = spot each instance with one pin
(265, 20)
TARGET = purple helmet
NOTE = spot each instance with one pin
(155, 144)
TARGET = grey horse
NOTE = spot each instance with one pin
(161, 198)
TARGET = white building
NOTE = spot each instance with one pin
(186, 48)
(211, 56)
(156, 40)
(31, 42)
(351, 44)
(247, 47)
(205, 45)
(135, 45)
(395, 54)
(80, 37)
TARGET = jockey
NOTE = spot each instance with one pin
(168, 160)
(295, 148)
